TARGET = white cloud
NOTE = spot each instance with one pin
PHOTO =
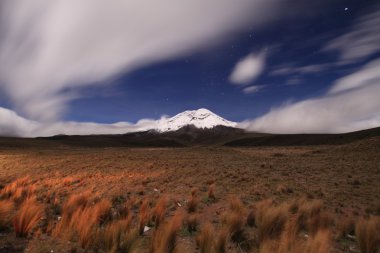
(252, 89)
(48, 48)
(308, 69)
(248, 69)
(369, 74)
(12, 124)
(361, 41)
(355, 109)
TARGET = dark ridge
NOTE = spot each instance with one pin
(185, 137)
(304, 139)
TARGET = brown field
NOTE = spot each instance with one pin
(321, 198)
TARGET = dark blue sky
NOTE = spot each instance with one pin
(201, 80)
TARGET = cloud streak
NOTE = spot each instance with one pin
(252, 89)
(14, 125)
(361, 41)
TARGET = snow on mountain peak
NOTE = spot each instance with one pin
(201, 118)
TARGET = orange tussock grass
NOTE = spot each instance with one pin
(319, 243)
(345, 226)
(68, 181)
(73, 204)
(143, 215)
(27, 217)
(192, 204)
(194, 191)
(251, 221)
(10, 189)
(236, 205)
(192, 223)
(6, 210)
(312, 217)
(117, 235)
(102, 210)
(165, 238)
(270, 220)
(220, 241)
(289, 241)
(211, 192)
(205, 240)
(235, 224)
(18, 190)
(210, 241)
(84, 223)
(234, 219)
(368, 234)
(158, 213)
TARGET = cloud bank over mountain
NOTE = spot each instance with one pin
(352, 103)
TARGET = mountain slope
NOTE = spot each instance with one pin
(201, 118)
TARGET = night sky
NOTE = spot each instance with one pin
(294, 48)
(202, 79)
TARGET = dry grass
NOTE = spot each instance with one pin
(81, 219)
(192, 204)
(270, 221)
(102, 211)
(143, 215)
(75, 186)
(158, 213)
(27, 217)
(211, 241)
(164, 239)
(118, 236)
(192, 223)
(211, 192)
(10, 189)
(368, 234)
(345, 226)
(221, 240)
(6, 211)
(205, 239)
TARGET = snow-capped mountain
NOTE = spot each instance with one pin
(201, 118)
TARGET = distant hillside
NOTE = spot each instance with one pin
(187, 136)
(303, 139)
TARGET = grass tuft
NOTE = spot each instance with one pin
(27, 217)
(368, 234)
